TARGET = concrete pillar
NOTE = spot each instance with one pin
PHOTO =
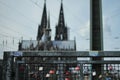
(96, 33)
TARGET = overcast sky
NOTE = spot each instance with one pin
(20, 18)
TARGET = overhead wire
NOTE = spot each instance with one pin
(9, 28)
(76, 19)
(14, 21)
(35, 3)
(6, 47)
(4, 35)
(21, 13)
(12, 30)
(41, 7)
(16, 10)
(79, 20)
(115, 13)
(71, 13)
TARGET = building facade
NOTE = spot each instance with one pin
(43, 40)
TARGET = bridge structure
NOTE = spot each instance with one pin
(67, 65)
(56, 65)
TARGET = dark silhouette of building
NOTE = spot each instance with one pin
(43, 24)
(61, 28)
(1, 69)
(44, 41)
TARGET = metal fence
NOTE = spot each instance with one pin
(60, 65)
(66, 70)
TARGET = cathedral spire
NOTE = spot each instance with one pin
(61, 21)
(44, 16)
(61, 28)
(48, 30)
(43, 24)
(48, 21)
(75, 43)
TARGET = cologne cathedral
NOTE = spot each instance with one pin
(43, 40)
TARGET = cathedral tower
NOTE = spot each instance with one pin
(43, 25)
(61, 28)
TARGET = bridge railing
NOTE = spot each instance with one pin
(59, 65)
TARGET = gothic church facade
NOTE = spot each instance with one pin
(43, 40)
